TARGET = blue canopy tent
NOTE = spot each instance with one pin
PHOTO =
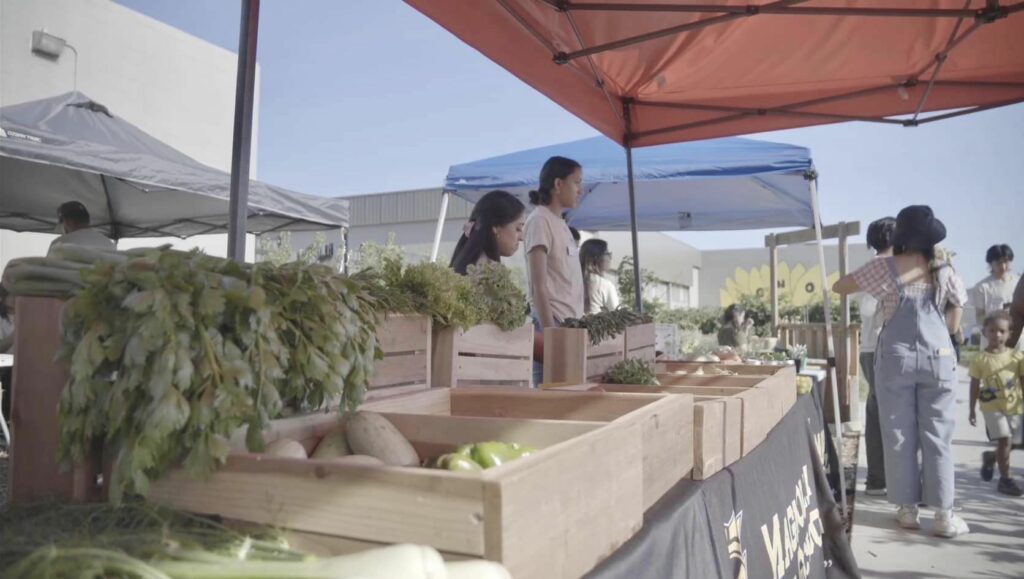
(714, 185)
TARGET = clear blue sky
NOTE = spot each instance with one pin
(384, 100)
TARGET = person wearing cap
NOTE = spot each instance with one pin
(915, 367)
(73, 225)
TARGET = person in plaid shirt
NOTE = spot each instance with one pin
(921, 303)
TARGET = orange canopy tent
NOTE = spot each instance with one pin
(647, 73)
(654, 72)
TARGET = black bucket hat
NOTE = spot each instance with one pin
(918, 228)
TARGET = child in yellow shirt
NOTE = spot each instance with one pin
(996, 377)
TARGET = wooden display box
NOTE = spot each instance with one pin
(33, 473)
(556, 513)
(405, 341)
(482, 355)
(640, 342)
(666, 421)
(569, 358)
(713, 368)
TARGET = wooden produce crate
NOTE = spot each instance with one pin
(405, 341)
(708, 421)
(713, 368)
(666, 421)
(640, 342)
(482, 355)
(556, 513)
(569, 357)
(33, 473)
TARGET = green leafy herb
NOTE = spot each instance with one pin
(171, 352)
(632, 371)
(502, 302)
(604, 325)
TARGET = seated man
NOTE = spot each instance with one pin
(73, 223)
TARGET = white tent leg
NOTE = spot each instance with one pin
(838, 433)
(440, 225)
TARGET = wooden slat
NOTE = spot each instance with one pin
(35, 393)
(667, 367)
(705, 380)
(432, 401)
(565, 355)
(552, 404)
(708, 437)
(758, 418)
(489, 340)
(400, 333)
(556, 521)
(598, 365)
(400, 369)
(481, 368)
(807, 235)
(641, 337)
(614, 345)
(733, 431)
(458, 430)
(392, 391)
(392, 505)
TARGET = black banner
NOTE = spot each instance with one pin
(771, 515)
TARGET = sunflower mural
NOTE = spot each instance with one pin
(800, 285)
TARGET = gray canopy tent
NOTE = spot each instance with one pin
(69, 147)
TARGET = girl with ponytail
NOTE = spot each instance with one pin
(552, 258)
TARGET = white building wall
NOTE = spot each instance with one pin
(174, 86)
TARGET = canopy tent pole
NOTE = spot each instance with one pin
(637, 288)
(445, 196)
(837, 435)
(241, 145)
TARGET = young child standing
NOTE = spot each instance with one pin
(996, 381)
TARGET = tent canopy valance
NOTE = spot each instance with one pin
(72, 148)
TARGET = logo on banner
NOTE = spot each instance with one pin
(736, 551)
(796, 534)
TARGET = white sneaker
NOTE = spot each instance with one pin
(908, 517)
(875, 492)
(949, 526)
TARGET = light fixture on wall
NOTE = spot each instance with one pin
(46, 44)
(50, 46)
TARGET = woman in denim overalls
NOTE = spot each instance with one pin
(915, 368)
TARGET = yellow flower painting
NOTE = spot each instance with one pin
(800, 285)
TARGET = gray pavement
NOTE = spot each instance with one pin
(995, 545)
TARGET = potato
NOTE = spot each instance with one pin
(285, 447)
(372, 434)
(333, 445)
(358, 460)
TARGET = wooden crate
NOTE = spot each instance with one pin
(570, 358)
(405, 341)
(482, 355)
(666, 421)
(640, 342)
(709, 435)
(556, 513)
(38, 381)
(711, 368)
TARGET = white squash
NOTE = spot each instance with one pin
(286, 448)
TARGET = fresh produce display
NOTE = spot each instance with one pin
(285, 448)
(502, 302)
(604, 325)
(170, 352)
(371, 434)
(334, 445)
(804, 384)
(632, 371)
(140, 541)
(481, 456)
(487, 294)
